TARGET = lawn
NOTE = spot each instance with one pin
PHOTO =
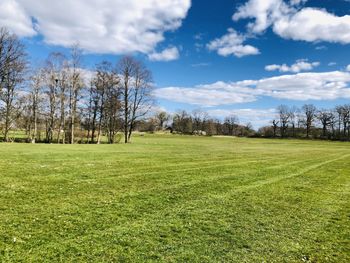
(176, 199)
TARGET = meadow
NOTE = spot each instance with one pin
(167, 198)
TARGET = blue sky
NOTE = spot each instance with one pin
(225, 57)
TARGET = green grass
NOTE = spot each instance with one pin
(176, 199)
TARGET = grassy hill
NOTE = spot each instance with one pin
(176, 199)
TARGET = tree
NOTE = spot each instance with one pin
(62, 80)
(182, 122)
(162, 118)
(294, 118)
(75, 86)
(310, 114)
(284, 115)
(345, 115)
(35, 99)
(230, 122)
(12, 68)
(55, 88)
(135, 91)
(325, 117)
(274, 127)
(108, 85)
(199, 118)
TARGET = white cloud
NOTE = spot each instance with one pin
(298, 66)
(257, 117)
(312, 24)
(331, 64)
(292, 22)
(264, 13)
(348, 68)
(165, 55)
(14, 17)
(301, 87)
(232, 44)
(109, 26)
(205, 95)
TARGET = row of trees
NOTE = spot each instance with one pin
(56, 101)
(309, 121)
(197, 122)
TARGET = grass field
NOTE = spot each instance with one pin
(176, 199)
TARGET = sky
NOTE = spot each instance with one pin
(243, 57)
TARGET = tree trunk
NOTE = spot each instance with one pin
(126, 106)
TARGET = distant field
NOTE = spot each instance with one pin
(176, 199)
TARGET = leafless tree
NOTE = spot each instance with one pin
(63, 83)
(12, 68)
(294, 118)
(230, 122)
(162, 117)
(310, 114)
(199, 118)
(136, 93)
(182, 122)
(345, 119)
(75, 86)
(325, 117)
(55, 87)
(275, 126)
(112, 103)
(35, 101)
(284, 115)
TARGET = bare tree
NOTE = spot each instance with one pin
(111, 102)
(182, 122)
(12, 67)
(310, 114)
(345, 116)
(284, 115)
(136, 93)
(75, 86)
(325, 117)
(55, 87)
(162, 117)
(339, 110)
(230, 122)
(275, 126)
(35, 99)
(62, 80)
(294, 118)
(199, 117)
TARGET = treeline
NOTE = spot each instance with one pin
(310, 122)
(55, 103)
(197, 122)
(60, 102)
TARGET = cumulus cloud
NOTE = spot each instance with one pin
(165, 55)
(205, 95)
(14, 17)
(302, 86)
(232, 44)
(348, 68)
(290, 21)
(257, 117)
(109, 26)
(298, 66)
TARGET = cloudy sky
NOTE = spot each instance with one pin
(241, 57)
